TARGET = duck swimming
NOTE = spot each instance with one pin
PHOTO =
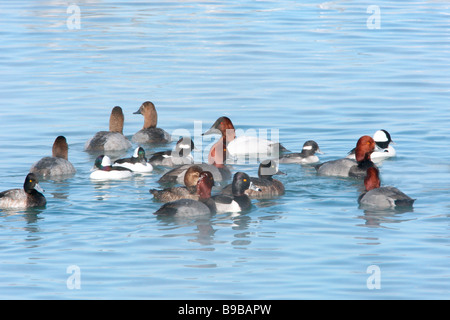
(382, 197)
(112, 140)
(307, 156)
(350, 168)
(29, 196)
(137, 163)
(238, 201)
(267, 187)
(189, 207)
(188, 191)
(216, 166)
(150, 133)
(243, 145)
(58, 164)
(171, 158)
(383, 149)
(105, 170)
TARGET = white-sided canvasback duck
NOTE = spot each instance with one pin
(105, 171)
(348, 167)
(58, 165)
(188, 191)
(179, 156)
(383, 149)
(136, 163)
(267, 187)
(306, 156)
(150, 133)
(112, 140)
(29, 196)
(189, 207)
(243, 145)
(239, 200)
(377, 197)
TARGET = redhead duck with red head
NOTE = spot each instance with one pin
(348, 167)
(378, 197)
(239, 146)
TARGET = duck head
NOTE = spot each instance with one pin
(148, 110)
(204, 184)
(364, 148)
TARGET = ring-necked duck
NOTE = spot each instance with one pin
(238, 201)
(29, 196)
(268, 187)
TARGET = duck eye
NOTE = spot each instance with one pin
(245, 180)
(30, 180)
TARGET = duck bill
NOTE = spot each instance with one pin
(212, 130)
(319, 151)
(38, 188)
(281, 173)
(253, 187)
(138, 112)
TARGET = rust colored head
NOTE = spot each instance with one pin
(364, 148)
(205, 184)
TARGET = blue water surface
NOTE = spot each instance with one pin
(330, 71)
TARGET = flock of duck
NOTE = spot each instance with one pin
(191, 183)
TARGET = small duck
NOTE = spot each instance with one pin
(137, 163)
(58, 164)
(189, 207)
(243, 145)
(112, 140)
(238, 201)
(307, 156)
(171, 158)
(350, 168)
(382, 197)
(384, 148)
(267, 186)
(30, 196)
(150, 133)
(188, 191)
(105, 170)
